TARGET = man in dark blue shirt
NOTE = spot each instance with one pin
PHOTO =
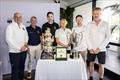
(34, 43)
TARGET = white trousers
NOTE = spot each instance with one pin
(34, 53)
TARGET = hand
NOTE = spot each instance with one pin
(41, 47)
(28, 49)
(23, 48)
(66, 46)
(42, 41)
(97, 50)
(92, 51)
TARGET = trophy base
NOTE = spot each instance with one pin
(47, 55)
(75, 55)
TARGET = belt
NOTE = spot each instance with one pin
(34, 45)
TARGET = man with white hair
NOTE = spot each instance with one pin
(17, 38)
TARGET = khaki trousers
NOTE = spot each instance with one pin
(34, 53)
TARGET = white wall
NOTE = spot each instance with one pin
(84, 10)
(38, 8)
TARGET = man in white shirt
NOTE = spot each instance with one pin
(62, 34)
(17, 38)
(80, 29)
(98, 36)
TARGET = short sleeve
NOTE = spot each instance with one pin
(40, 30)
(56, 25)
(57, 33)
(43, 28)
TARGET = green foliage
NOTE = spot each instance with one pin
(68, 15)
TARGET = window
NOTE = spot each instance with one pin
(111, 14)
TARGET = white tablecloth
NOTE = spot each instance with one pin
(61, 70)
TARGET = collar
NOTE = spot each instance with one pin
(50, 23)
(80, 26)
(17, 24)
(62, 29)
(32, 27)
(99, 22)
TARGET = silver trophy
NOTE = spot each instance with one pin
(75, 40)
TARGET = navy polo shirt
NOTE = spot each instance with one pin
(34, 35)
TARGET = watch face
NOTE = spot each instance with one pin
(61, 53)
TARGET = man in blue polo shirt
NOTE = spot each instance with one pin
(34, 33)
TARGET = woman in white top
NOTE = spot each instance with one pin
(62, 34)
(80, 29)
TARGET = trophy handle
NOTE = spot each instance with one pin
(80, 37)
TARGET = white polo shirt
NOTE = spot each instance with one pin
(16, 37)
(62, 35)
(82, 45)
(98, 36)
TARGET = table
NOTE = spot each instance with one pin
(72, 69)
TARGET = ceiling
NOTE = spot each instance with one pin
(64, 3)
(75, 3)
